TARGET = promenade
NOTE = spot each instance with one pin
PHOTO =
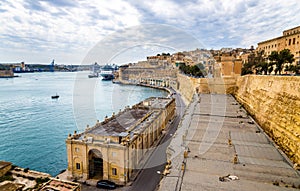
(225, 150)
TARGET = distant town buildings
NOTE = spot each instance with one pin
(289, 40)
(229, 62)
(114, 148)
(6, 74)
(156, 68)
(162, 69)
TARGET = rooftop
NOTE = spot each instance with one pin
(120, 123)
(10, 186)
(157, 103)
(60, 185)
(4, 164)
(131, 120)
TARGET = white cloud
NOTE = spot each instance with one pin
(235, 23)
(62, 28)
(55, 28)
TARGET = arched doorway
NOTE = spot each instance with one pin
(95, 164)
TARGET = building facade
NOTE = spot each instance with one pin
(227, 64)
(289, 40)
(153, 68)
(114, 148)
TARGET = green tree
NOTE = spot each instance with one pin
(247, 68)
(293, 68)
(264, 68)
(281, 58)
(191, 70)
(270, 69)
(254, 63)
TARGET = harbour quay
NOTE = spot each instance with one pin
(114, 148)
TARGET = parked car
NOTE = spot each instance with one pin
(106, 184)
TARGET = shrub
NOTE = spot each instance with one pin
(6, 177)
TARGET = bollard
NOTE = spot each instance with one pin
(235, 159)
(183, 166)
(185, 154)
(229, 142)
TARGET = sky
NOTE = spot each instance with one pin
(117, 31)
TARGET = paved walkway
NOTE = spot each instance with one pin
(221, 140)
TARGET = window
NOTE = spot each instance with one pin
(290, 40)
(114, 171)
(76, 149)
(294, 40)
(78, 166)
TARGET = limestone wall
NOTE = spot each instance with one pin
(188, 85)
(225, 85)
(274, 101)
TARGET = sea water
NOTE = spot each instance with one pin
(34, 127)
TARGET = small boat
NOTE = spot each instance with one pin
(93, 75)
(94, 71)
(55, 96)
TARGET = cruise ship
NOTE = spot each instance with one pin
(107, 72)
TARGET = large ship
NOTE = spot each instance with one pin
(107, 72)
(22, 68)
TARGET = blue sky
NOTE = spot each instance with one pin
(74, 32)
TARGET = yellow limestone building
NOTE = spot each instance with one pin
(112, 149)
(289, 40)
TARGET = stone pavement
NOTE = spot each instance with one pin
(220, 139)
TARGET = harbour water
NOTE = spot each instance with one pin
(33, 127)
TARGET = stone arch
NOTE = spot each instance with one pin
(95, 164)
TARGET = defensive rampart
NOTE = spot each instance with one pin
(274, 101)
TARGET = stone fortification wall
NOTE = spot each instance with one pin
(188, 85)
(225, 85)
(274, 101)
